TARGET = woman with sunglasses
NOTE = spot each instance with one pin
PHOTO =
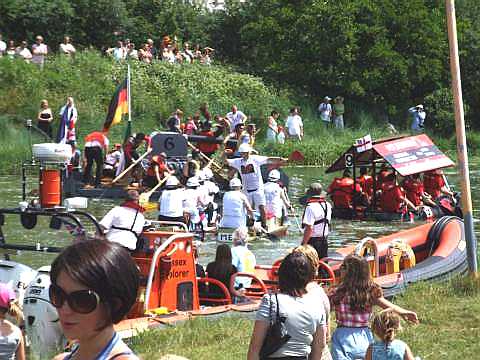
(94, 285)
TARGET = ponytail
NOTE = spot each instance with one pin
(15, 311)
(385, 324)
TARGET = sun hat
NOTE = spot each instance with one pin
(193, 182)
(235, 183)
(244, 148)
(207, 173)
(328, 98)
(274, 175)
(172, 181)
(6, 296)
(315, 189)
(419, 106)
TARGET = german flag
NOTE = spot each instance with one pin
(118, 106)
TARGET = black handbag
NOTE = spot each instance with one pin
(276, 334)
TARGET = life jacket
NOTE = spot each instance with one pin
(96, 136)
(414, 191)
(341, 192)
(206, 147)
(366, 182)
(433, 184)
(139, 209)
(161, 167)
(391, 198)
(382, 175)
(325, 220)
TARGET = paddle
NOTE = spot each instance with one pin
(205, 157)
(293, 210)
(131, 166)
(145, 197)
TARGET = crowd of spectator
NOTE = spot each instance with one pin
(168, 50)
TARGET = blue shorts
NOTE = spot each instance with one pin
(349, 343)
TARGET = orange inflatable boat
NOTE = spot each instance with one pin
(427, 252)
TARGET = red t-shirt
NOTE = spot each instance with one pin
(391, 198)
(206, 147)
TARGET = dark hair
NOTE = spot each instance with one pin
(294, 274)
(223, 262)
(357, 287)
(363, 170)
(104, 267)
(140, 136)
(390, 177)
(273, 113)
(347, 173)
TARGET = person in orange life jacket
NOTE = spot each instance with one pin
(123, 224)
(157, 170)
(366, 182)
(435, 185)
(95, 143)
(415, 191)
(316, 220)
(382, 175)
(209, 149)
(249, 168)
(341, 191)
(393, 198)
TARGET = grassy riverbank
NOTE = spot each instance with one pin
(449, 328)
(157, 90)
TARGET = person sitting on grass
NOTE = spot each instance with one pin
(384, 325)
(353, 301)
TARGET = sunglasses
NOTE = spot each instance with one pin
(82, 301)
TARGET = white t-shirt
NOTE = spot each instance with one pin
(274, 201)
(67, 49)
(235, 119)
(325, 110)
(211, 189)
(250, 171)
(3, 47)
(123, 217)
(234, 210)
(172, 202)
(192, 200)
(112, 159)
(39, 58)
(314, 212)
(294, 124)
(24, 53)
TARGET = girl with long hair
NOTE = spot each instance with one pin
(223, 270)
(353, 301)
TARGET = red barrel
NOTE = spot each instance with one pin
(50, 188)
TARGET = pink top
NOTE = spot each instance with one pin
(190, 127)
(348, 318)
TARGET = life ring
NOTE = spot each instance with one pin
(331, 275)
(252, 291)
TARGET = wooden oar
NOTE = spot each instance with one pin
(205, 157)
(145, 197)
(122, 174)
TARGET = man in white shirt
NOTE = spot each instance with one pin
(39, 51)
(172, 201)
(276, 199)
(294, 125)
(235, 117)
(3, 46)
(123, 224)
(316, 220)
(249, 168)
(325, 110)
(119, 52)
(235, 206)
(66, 48)
(23, 52)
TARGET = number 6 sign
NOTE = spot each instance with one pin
(173, 144)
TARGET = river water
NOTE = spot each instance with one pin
(343, 231)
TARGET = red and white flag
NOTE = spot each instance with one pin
(363, 144)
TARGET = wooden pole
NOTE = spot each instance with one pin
(462, 153)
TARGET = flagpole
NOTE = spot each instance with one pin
(129, 93)
(462, 153)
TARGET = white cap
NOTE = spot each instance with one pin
(193, 182)
(274, 175)
(419, 106)
(327, 98)
(172, 181)
(207, 173)
(235, 183)
(244, 148)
